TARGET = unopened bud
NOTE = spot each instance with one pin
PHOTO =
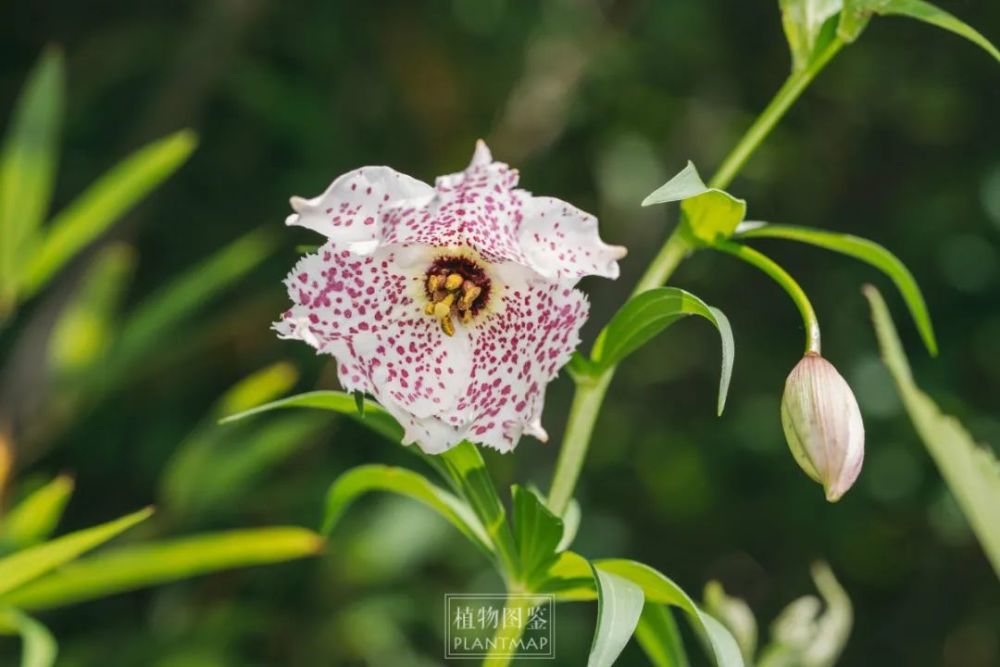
(823, 425)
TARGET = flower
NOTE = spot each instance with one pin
(453, 305)
(822, 424)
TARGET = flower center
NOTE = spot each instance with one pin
(455, 286)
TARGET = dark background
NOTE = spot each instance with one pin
(597, 103)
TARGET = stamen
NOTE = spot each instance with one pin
(453, 282)
(455, 287)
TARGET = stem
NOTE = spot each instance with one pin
(780, 276)
(772, 113)
(507, 634)
(590, 393)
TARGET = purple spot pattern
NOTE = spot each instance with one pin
(364, 304)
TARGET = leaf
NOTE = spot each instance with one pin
(86, 327)
(804, 22)
(31, 563)
(466, 469)
(972, 472)
(142, 565)
(164, 310)
(659, 588)
(375, 417)
(28, 165)
(363, 479)
(214, 467)
(104, 202)
(864, 250)
(660, 637)
(619, 604)
(258, 387)
(40, 649)
(649, 313)
(571, 524)
(914, 9)
(537, 532)
(36, 517)
(708, 213)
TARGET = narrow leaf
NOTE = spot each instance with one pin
(619, 605)
(31, 563)
(660, 637)
(28, 164)
(258, 387)
(363, 479)
(36, 517)
(971, 471)
(164, 310)
(709, 214)
(658, 588)
(375, 416)
(649, 313)
(104, 202)
(867, 251)
(141, 565)
(536, 530)
(926, 12)
(466, 469)
(40, 649)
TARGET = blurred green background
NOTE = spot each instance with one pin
(597, 102)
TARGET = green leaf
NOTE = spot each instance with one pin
(363, 479)
(649, 313)
(359, 403)
(619, 605)
(86, 328)
(570, 578)
(31, 563)
(914, 9)
(215, 467)
(571, 524)
(708, 214)
(104, 202)
(40, 648)
(660, 637)
(972, 472)
(659, 588)
(258, 387)
(537, 532)
(28, 165)
(466, 469)
(806, 27)
(160, 313)
(36, 517)
(142, 565)
(375, 417)
(864, 250)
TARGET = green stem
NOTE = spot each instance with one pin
(780, 276)
(590, 393)
(772, 113)
(507, 635)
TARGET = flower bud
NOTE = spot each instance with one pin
(822, 424)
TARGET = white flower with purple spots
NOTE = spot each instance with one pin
(453, 305)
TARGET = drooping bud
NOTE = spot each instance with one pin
(822, 424)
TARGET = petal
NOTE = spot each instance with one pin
(561, 242)
(517, 352)
(351, 209)
(478, 208)
(336, 297)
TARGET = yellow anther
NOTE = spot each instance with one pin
(470, 293)
(429, 309)
(447, 327)
(466, 316)
(453, 282)
(434, 283)
(443, 307)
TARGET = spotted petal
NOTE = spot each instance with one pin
(352, 208)
(561, 242)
